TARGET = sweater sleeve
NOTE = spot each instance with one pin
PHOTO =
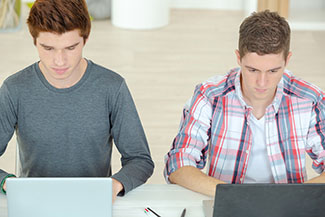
(8, 119)
(131, 142)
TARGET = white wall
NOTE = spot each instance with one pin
(250, 6)
(209, 4)
(247, 5)
(204, 4)
(303, 4)
(307, 15)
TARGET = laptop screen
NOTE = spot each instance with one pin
(269, 200)
(53, 197)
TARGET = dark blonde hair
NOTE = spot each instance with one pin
(264, 33)
(59, 16)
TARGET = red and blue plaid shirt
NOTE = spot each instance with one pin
(216, 128)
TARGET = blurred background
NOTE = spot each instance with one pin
(163, 48)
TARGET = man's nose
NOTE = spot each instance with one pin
(262, 79)
(59, 58)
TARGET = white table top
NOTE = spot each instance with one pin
(166, 200)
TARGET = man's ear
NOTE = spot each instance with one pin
(288, 58)
(238, 57)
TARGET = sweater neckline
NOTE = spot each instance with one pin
(62, 90)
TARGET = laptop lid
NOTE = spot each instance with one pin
(269, 200)
(59, 197)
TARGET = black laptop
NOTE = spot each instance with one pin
(269, 200)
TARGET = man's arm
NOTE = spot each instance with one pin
(198, 181)
(131, 142)
(8, 119)
(190, 147)
(315, 147)
(318, 179)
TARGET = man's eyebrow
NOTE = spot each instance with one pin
(47, 46)
(275, 69)
(74, 45)
(249, 67)
(44, 45)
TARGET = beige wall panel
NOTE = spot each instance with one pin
(280, 6)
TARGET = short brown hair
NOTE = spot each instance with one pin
(59, 16)
(264, 33)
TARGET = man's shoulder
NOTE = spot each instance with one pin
(22, 77)
(219, 85)
(104, 74)
(297, 87)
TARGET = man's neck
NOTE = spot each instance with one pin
(259, 107)
(258, 112)
(73, 79)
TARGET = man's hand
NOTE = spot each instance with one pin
(117, 187)
(193, 179)
(4, 185)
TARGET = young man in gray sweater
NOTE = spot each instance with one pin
(67, 110)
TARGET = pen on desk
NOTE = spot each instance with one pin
(183, 213)
(149, 213)
(146, 211)
(153, 212)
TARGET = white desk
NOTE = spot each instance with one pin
(166, 200)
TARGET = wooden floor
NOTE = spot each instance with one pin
(163, 66)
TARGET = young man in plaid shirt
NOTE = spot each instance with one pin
(255, 123)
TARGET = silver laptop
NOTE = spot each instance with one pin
(267, 200)
(59, 197)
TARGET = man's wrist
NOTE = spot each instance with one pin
(3, 182)
(118, 187)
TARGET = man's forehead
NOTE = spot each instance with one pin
(256, 54)
(56, 39)
(75, 32)
(263, 62)
(256, 58)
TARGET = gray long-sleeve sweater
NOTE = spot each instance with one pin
(69, 132)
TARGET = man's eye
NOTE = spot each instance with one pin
(48, 48)
(252, 70)
(71, 48)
